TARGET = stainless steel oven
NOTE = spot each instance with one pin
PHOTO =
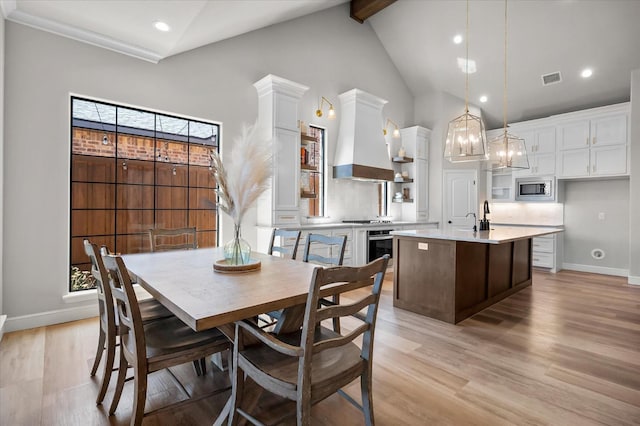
(379, 243)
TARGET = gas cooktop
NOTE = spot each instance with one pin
(363, 221)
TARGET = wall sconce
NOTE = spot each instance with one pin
(124, 165)
(396, 131)
(332, 112)
(174, 171)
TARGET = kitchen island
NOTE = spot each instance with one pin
(450, 274)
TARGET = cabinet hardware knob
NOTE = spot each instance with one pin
(595, 140)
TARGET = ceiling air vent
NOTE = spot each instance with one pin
(552, 78)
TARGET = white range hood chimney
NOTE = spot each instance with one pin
(361, 152)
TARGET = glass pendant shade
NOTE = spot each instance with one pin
(508, 152)
(466, 139)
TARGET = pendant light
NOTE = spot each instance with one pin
(507, 151)
(466, 138)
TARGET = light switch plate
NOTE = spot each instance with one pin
(423, 246)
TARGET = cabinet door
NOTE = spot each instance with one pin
(611, 130)
(286, 157)
(609, 160)
(420, 186)
(546, 140)
(573, 163)
(545, 164)
(573, 135)
(529, 138)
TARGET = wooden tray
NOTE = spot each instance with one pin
(222, 266)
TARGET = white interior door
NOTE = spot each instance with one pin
(460, 197)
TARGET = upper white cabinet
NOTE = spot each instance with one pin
(541, 150)
(278, 102)
(595, 145)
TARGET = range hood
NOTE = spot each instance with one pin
(361, 152)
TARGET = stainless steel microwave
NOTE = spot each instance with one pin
(535, 189)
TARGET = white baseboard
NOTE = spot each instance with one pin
(3, 319)
(596, 269)
(51, 317)
(634, 280)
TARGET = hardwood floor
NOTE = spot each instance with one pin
(565, 351)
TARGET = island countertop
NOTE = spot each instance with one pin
(502, 234)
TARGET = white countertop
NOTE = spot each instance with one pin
(335, 225)
(502, 234)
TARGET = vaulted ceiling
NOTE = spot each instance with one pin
(543, 36)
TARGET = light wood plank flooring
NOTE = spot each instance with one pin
(565, 351)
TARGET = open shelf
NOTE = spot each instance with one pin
(306, 139)
(403, 180)
(402, 160)
(305, 194)
(408, 200)
(308, 167)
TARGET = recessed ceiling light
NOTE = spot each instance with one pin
(161, 26)
(586, 73)
(457, 39)
(483, 98)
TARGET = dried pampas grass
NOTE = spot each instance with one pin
(245, 176)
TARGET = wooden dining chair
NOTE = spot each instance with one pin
(150, 310)
(315, 362)
(335, 243)
(152, 346)
(282, 250)
(173, 239)
(270, 318)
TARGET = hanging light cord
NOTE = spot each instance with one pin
(504, 91)
(466, 65)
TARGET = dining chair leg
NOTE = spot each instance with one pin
(140, 395)
(108, 369)
(303, 409)
(237, 389)
(367, 397)
(122, 375)
(96, 362)
(196, 366)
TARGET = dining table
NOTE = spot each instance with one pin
(186, 283)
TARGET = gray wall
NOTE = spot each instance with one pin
(634, 184)
(327, 51)
(434, 111)
(584, 231)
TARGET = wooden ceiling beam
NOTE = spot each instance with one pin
(361, 10)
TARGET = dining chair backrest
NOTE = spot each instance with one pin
(127, 308)
(282, 249)
(372, 275)
(336, 246)
(101, 276)
(173, 239)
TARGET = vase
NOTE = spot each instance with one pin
(237, 251)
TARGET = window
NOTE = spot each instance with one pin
(312, 172)
(133, 170)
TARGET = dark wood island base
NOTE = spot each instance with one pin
(451, 280)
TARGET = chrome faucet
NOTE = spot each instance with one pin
(475, 227)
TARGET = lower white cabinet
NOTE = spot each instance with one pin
(546, 251)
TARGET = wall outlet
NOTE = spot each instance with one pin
(601, 216)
